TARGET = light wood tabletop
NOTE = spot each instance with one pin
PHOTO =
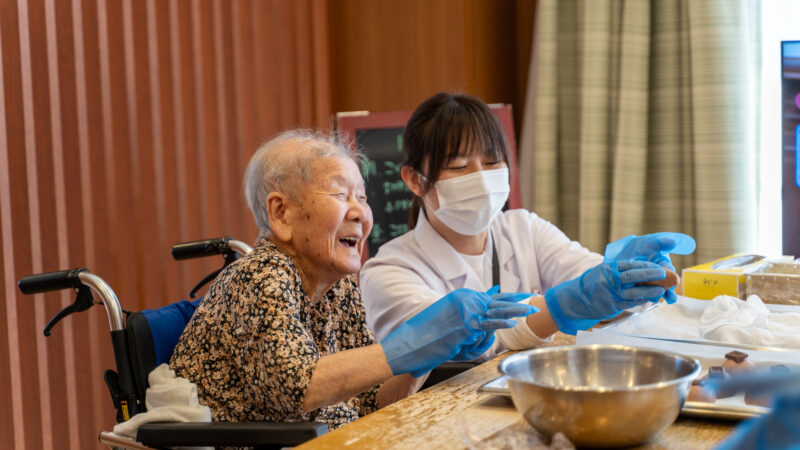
(453, 415)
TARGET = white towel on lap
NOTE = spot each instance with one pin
(168, 399)
(728, 319)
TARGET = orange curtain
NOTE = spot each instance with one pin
(125, 127)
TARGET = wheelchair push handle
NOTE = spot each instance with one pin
(227, 247)
(208, 247)
(83, 282)
(50, 281)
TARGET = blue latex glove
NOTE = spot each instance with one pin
(602, 292)
(776, 430)
(504, 304)
(654, 248)
(439, 332)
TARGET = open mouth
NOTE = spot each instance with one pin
(351, 242)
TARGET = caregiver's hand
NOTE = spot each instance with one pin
(602, 292)
(775, 430)
(503, 307)
(655, 248)
(439, 332)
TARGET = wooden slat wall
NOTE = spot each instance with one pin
(125, 127)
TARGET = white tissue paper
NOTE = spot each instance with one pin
(729, 319)
(724, 319)
(168, 399)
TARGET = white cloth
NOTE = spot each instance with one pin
(412, 271)
(729, 319)
(679, 320)
(707, 355)
(168, 399)
(724, 319)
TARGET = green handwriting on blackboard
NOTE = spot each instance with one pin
(396, 229)
(391, 168)
(394, 186)
(403, 204)
(378, 234)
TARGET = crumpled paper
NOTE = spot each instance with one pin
(729, 319)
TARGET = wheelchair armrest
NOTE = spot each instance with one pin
(229, 434)
(447, 370)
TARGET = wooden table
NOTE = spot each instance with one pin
(452, 413)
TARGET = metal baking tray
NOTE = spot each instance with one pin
(498, 386)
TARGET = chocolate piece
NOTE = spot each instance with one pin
(716, 372)
(732, 367)
(699, 382)
(736, 356)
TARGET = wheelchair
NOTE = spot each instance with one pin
(145, 339)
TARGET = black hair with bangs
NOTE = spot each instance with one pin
(442, 129)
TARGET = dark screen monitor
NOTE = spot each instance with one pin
(790, 74)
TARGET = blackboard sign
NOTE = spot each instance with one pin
(387, 194)
(380, 137)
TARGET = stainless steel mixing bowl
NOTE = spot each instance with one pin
(600, 395)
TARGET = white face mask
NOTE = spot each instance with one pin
(469, 203)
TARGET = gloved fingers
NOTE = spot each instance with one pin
(496, 324)
(670, 296)
(472, 351)
(511, 296)
(668, 242)
(493, 290)
(678, 243)
(642, 294)
(500, 309)
(477, 349)
(643, 247)
(633, 275)
(624, 265)
(662, 259)
(615, 248)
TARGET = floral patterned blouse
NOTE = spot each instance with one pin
(254, 342)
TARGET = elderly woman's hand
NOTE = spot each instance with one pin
(503, 304)
(440, 332)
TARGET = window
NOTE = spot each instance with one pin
(778, 23)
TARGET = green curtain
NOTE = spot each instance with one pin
(642, 116)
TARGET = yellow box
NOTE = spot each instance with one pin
(724, 276)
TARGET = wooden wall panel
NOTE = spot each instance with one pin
(393, 54)
(126, 126)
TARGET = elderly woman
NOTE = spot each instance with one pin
(282, 335)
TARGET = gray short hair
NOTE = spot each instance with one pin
(282, 165)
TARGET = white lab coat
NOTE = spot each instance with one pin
(414, 270)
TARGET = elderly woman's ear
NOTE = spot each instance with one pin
(280, 208)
